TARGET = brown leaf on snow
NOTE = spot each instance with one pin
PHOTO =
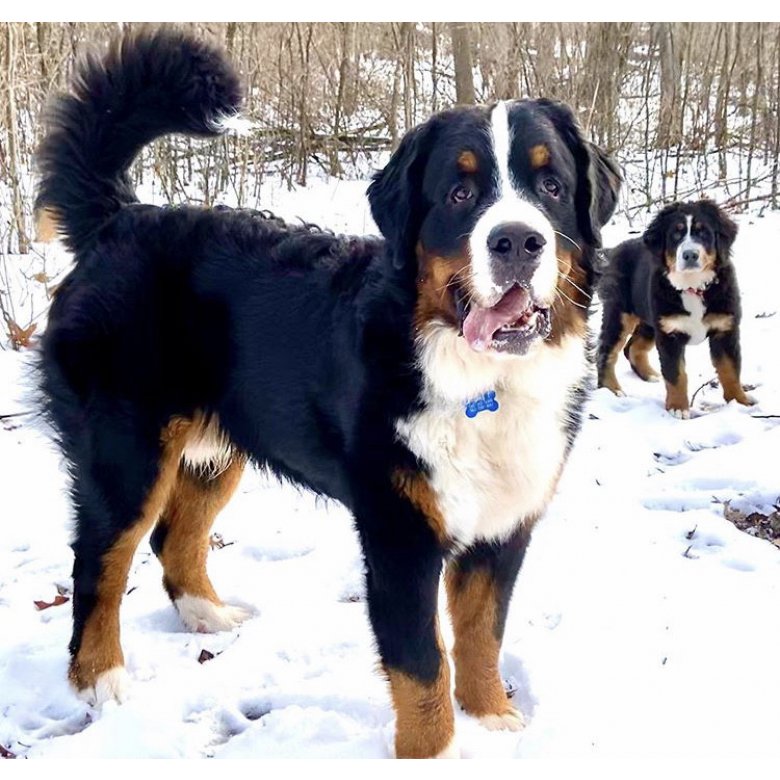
(756, 523)
(59, 600)
(204, 656)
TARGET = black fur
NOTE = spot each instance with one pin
(148, 85)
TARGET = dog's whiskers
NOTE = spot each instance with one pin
(568, 238)
(574, 284)
(454, 280)
(561, 292)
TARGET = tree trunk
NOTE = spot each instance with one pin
(17, 196)
(670, 84)
(461, 54)
(757, 86)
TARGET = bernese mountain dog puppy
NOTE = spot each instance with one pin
(672, 287)
(432, 380)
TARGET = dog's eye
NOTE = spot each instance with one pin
(461, 193)
(551, 186)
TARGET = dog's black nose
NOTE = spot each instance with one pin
(691, 257)
(515, 241)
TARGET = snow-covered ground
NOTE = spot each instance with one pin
(643, 623)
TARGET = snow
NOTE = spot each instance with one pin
(644, 624)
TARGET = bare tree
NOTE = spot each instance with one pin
(671, 64)
(461, 55)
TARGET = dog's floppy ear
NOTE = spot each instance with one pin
(725, 228)
(655, 235)
(608, 182)
(598, 178)
(395, 194)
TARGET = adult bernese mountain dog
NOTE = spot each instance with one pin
(431, 381)
(672, 287)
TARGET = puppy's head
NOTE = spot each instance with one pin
(496, 211)
(691, 240)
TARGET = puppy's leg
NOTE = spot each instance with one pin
(726, 357)
(616, 327)
(637, 351)
(181, 542)
(403, 558)
(479, 586)
(119, 491)
(671, 351)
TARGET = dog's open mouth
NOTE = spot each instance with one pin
(512, 325)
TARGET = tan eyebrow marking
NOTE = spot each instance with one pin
(467, 162)
(540, 156)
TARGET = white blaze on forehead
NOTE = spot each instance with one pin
(502, 146)
(688, 243)
(510, 206)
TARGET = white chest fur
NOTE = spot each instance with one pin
(693, 325)
(493, 471)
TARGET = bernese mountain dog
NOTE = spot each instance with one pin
(672, 287)
(432, 381)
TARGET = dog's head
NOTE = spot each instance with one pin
(497, 211)
(691, 241)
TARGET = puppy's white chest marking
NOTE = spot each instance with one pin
(498, 469)
(692, 325)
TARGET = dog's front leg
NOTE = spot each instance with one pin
(479, 586)
(671, 351)
(403, 559)
(726, 357)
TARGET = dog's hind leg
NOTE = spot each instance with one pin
(479, 585)
(639, 345)
(181, 542)
(123, 473)
(615, 329)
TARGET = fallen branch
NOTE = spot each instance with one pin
(711, 382)
(15, 414)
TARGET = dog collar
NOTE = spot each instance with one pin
(699, 291)
(485, 403)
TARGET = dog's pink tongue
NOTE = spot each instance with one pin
(480, 324)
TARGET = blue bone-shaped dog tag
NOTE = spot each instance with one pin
(486, 402)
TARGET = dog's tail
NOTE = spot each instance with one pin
(147, 85)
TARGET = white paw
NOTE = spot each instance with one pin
(451, 751)
(619, 393)
(109, 686)
(653, 378)
(512, 720)
(205, 617)
(681, 414)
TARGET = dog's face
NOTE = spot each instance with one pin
(497, 211)
(691, 240)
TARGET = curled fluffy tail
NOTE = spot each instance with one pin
(147, 85)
